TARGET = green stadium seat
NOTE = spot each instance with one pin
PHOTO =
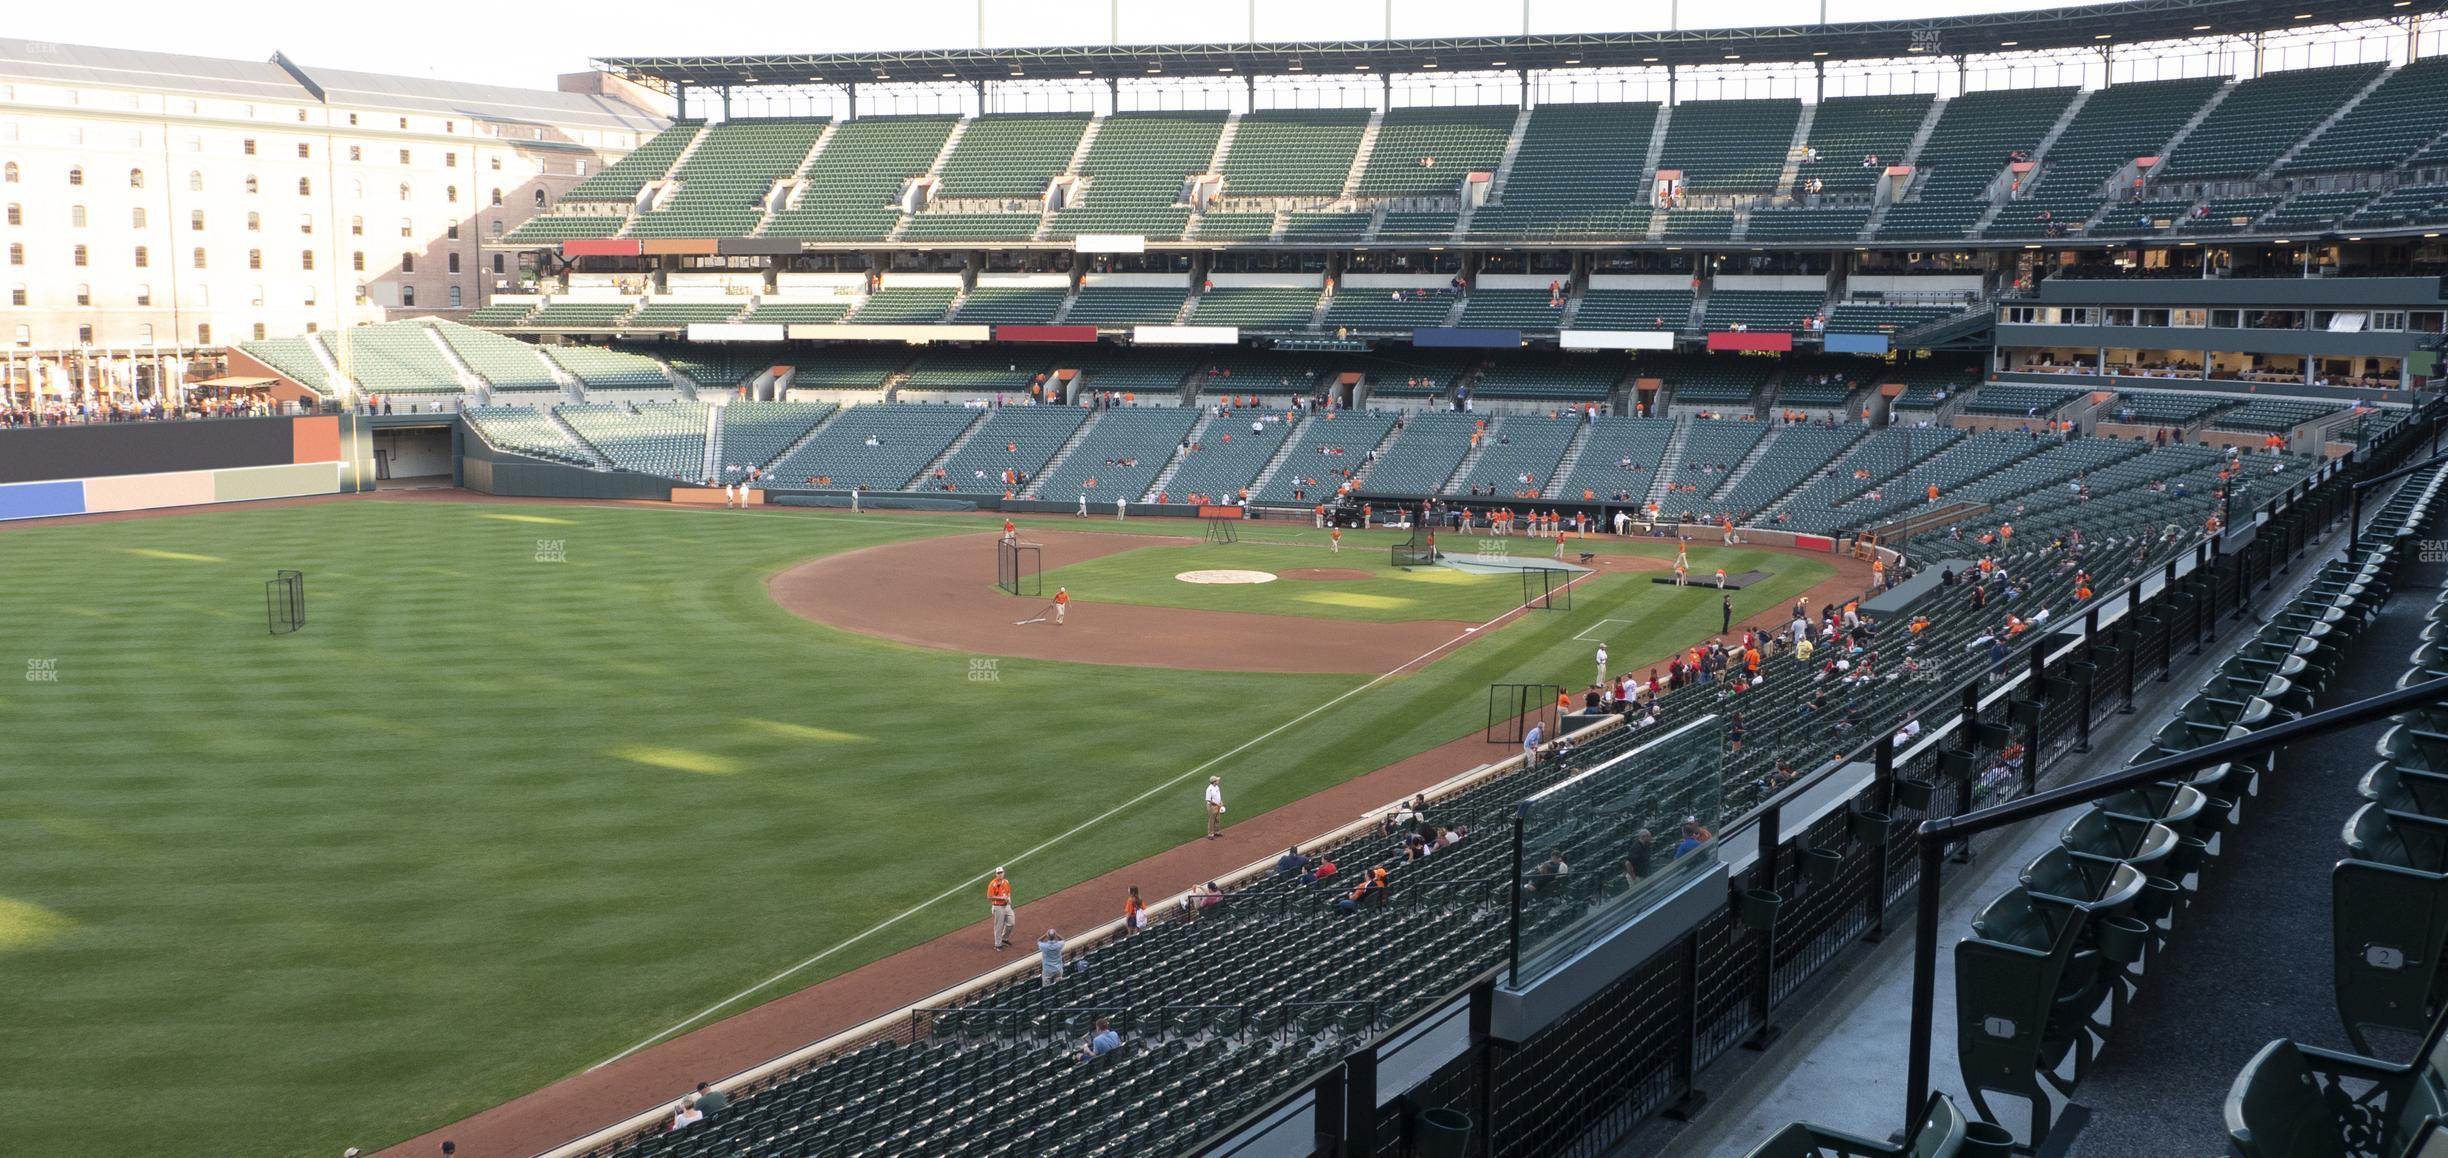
(721, 187)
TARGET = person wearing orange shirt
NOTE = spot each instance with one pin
(999, 909)
(1062, 603)
(1011, 533)
(1336, 538)
(1134, 912)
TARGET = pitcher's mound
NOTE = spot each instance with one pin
(1344, 574)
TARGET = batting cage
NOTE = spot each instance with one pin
(1417, 551)
(1547, 588)
(285, 601)
(1017, 569)
(1512, 708)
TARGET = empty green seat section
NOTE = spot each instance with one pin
(1520, 454)
(1771, 310)
(1120, 456)
(815, 313)
(2311, 212)
(939, 226)
(1326, 227)
(1237, 226)
(1010, 156)
(906, 306)
(582, 314)
(665, 438)
(1512, 309)
(1819, 383)
(975, 371)
(2260, 119)
(2140, 218)
(1014, 438)
(2401, 207)
(555, 227)
(294, 357)
(1925, 379)
(1884, 317)
(1228, 455)
(1328, 443)
(1013, 305)
(2229, 215)
(905, 437)
(2012, 401)
(1425, 150)
(1561, 378)
(1736, 146)
(1699, 225)
(1126, 305)
(1422, 456)
(721, 366)
(848, 367)
(526, 430)
(2408, 111)
(722, 185)
(1150, 374)
(1422, 227)
(1846, 130)
(1293, 152)
(1362, 308)
(1620, 458)
(391, 358)
(505, 363)
(1825, 224)
(1135, 170)
(2163, 407)
(1240, 373)
(1791, 453)
(1623, 309)
(2117, 125)
(1969, 147)
(608, 369)
(1577, 174)
(753, 433)
(621, 180)
(2273, 416)
(1703, 379)
(850, 191)
(499, 314)
(1256, 308)
(678, 315)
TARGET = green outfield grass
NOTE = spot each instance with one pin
(491, 819)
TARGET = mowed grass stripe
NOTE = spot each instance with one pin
(339, 887)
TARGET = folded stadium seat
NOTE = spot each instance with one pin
(2301, 1101)
(1234, 226)
(1257, 308)
(1941, 1135)
(2027, 983)
(1317, 227)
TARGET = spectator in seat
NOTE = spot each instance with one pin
(1103, 1041)
(710, 1099)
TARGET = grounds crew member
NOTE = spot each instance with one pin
(999, 907)
(1062, 603)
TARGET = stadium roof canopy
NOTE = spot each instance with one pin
(2083, 26)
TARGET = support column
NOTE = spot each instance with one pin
(1819, 69)
(853, 87)
(726, 102)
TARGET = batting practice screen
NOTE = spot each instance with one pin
(285, 602)
(1017, 569)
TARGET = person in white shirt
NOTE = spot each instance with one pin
(1083, 504)
(1121, 509)
(688, 1115)
(1601, 663)
(1215, 806)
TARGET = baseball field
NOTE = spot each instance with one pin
(538, 783)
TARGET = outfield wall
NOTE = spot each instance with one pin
(47, 472)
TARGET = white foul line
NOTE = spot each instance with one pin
(1075, 830)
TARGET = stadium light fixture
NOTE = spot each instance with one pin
(2430, 235)
(2303, 16)
(1361, 67)
(2008, 43)
(1496, 64)
(2102, 35)
(2354, 239)
(1577, 60)
(1087, 72)
(1733, 56)
(2201, 28)
(951, 76)
(1648, 60)
(1821, 52)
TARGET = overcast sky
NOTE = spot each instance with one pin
(527, 44)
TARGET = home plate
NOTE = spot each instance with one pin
(1226, 576)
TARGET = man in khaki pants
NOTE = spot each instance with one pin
(1215, 805)
(999, 906)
